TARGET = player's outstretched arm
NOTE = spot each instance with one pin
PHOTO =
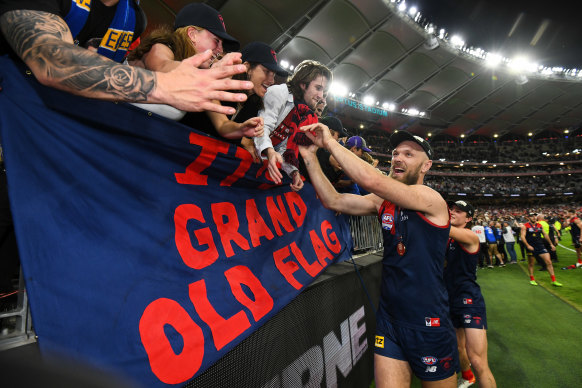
(44, 42)
(415, 197)
(345, 203)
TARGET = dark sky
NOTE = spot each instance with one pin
(488, 24)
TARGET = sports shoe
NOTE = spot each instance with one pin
(556, 284)
(578, 265)
(490, 266)
(462, 383)
(533, 282)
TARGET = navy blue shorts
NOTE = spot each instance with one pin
(469, 318)
(432, 354)
(538, 249)
(576, 241)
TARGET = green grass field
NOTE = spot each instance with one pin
(535, 333)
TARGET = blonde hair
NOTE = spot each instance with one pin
(177, 40)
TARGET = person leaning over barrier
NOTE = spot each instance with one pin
(287, 107)
(414, 333)
(39, 35)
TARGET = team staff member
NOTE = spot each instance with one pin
(479, 230)
(532, 235)
(492, 245)
(414, 332)
(39, 35)
(466, 302)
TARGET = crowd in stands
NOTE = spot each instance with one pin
(499, 151)
(548, 184)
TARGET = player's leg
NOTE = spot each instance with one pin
(546, 258)
(530, 267)
(467, 378)
(389, 372)
(476, 344)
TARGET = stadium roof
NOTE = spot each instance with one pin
(386, 53)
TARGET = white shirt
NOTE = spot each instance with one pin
(278, 102)
(480, 232)
(508, 234)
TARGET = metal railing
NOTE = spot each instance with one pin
(366, 234)
(16, 324)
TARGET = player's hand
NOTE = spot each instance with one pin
(275, 161)
(297, 183)
(318, 133)
(189, 88)
(553, 248)
(309, 151)
(253, 127)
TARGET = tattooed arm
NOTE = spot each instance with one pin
(43, 41)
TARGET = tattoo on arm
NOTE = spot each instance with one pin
(43, 41)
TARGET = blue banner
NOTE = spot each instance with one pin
(149, 249)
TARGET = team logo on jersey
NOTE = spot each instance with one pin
(387, 221)
(379, 342)
(432, 322)
(467, 301)
(429, 360)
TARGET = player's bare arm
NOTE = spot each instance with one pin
(346, 203)
(415, 197)
(466, 237)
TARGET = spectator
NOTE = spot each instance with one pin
(286, 108)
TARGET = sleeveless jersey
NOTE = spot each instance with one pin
(575, 230)
(461, 277)
(533, 234)
(413, 292)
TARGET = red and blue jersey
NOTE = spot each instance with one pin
(534, 234)
(574, 229)
(461, 277)
(413, 292)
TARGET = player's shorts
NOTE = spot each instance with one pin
(538, 249)
(469, 318)
(431, 354)
(576, 241)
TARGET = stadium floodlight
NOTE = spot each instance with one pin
(568, 193)
(338, 89)
(442, 33)
(515, 195)
(484, 162)
(492, 60)
(402, 7)
(457, 41)
(368, 100)
(413, 112)
(412, 11)
(284, 64)
(488, 195)
(463, 194)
